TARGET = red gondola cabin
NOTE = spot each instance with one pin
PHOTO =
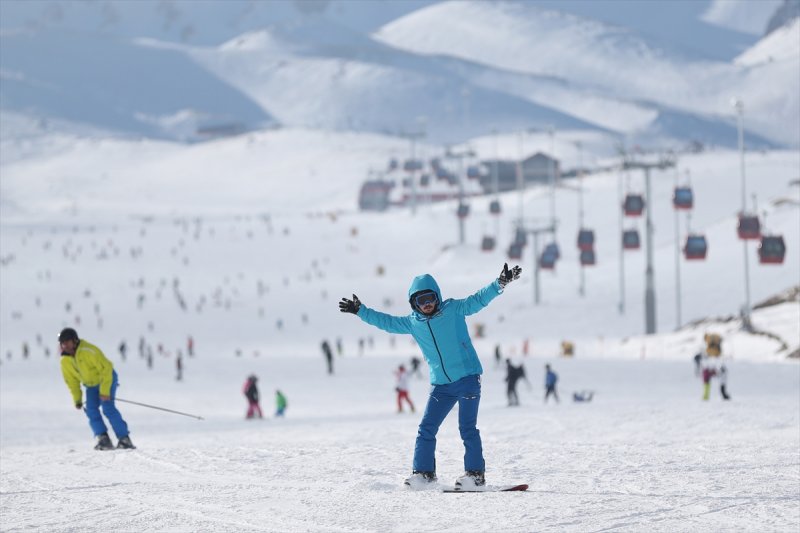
(771, 250)
(631, 240)
(749, 227)
(585, 239)
(633, 205)
(696, 248)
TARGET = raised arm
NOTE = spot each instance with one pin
(389, 323)
(472, 304)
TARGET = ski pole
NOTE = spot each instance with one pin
(159, 408)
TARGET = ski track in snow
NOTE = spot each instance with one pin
(646, 454)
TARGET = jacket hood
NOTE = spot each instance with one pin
(425, 282)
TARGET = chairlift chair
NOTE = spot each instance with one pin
(631, 240)
(749, 227)
(633, 205)
(488, 243)
(515, 251)
(587, 257)
(696, 247)
(771, 250)
(585, 239)
(494, 207)
(683, 198)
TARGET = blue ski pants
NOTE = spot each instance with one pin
(467, 392)
(92, 410)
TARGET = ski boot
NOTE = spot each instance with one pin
(125, 443)
(104, 442)
(420, 480)
(471, 480)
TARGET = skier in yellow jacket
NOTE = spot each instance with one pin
(84, 363)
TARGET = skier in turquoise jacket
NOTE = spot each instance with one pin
(440, 329)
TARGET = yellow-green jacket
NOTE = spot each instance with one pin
(90, 367)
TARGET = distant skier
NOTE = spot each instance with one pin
(402, 389)
(698, 363)
(440, 329)
(250, 391)
(415, 362)
(723, 382)
(123, 350)
(498, 356)
(190, 346)
(179, 366)
(513, 375)
(84, 364)
(280, 403)
(550, 380)
(326, 351)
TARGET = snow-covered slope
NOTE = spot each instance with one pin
(610, 59)
(297, 176)
(114, 84)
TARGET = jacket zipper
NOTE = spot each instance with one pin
(437, 351)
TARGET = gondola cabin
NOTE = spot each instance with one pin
(473, 172)
(695, 248)
(547, 261)
(488, 243)
(631, 240)
(495, 208)
(633, 205)
(683, 198)
(425, 180)
(463, 211)
(585, 239)
(553, 249)
(587, 258)
(771, 250)
(749, 227)
(515, 251)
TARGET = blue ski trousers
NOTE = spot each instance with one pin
(467, 392)
(92, 410)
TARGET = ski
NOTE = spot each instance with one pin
(499, 488)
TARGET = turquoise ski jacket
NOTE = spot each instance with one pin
(442, 337)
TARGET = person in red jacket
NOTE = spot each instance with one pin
(402, 389)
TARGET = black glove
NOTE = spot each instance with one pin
(507, 276)
(350, 306)
(79, 405)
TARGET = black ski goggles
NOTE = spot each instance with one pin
(425, 298)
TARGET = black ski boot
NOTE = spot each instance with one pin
(104, 442)
(125, 443)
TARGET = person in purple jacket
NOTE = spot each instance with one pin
(440, 329)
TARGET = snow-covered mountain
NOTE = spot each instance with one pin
(237, 66)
